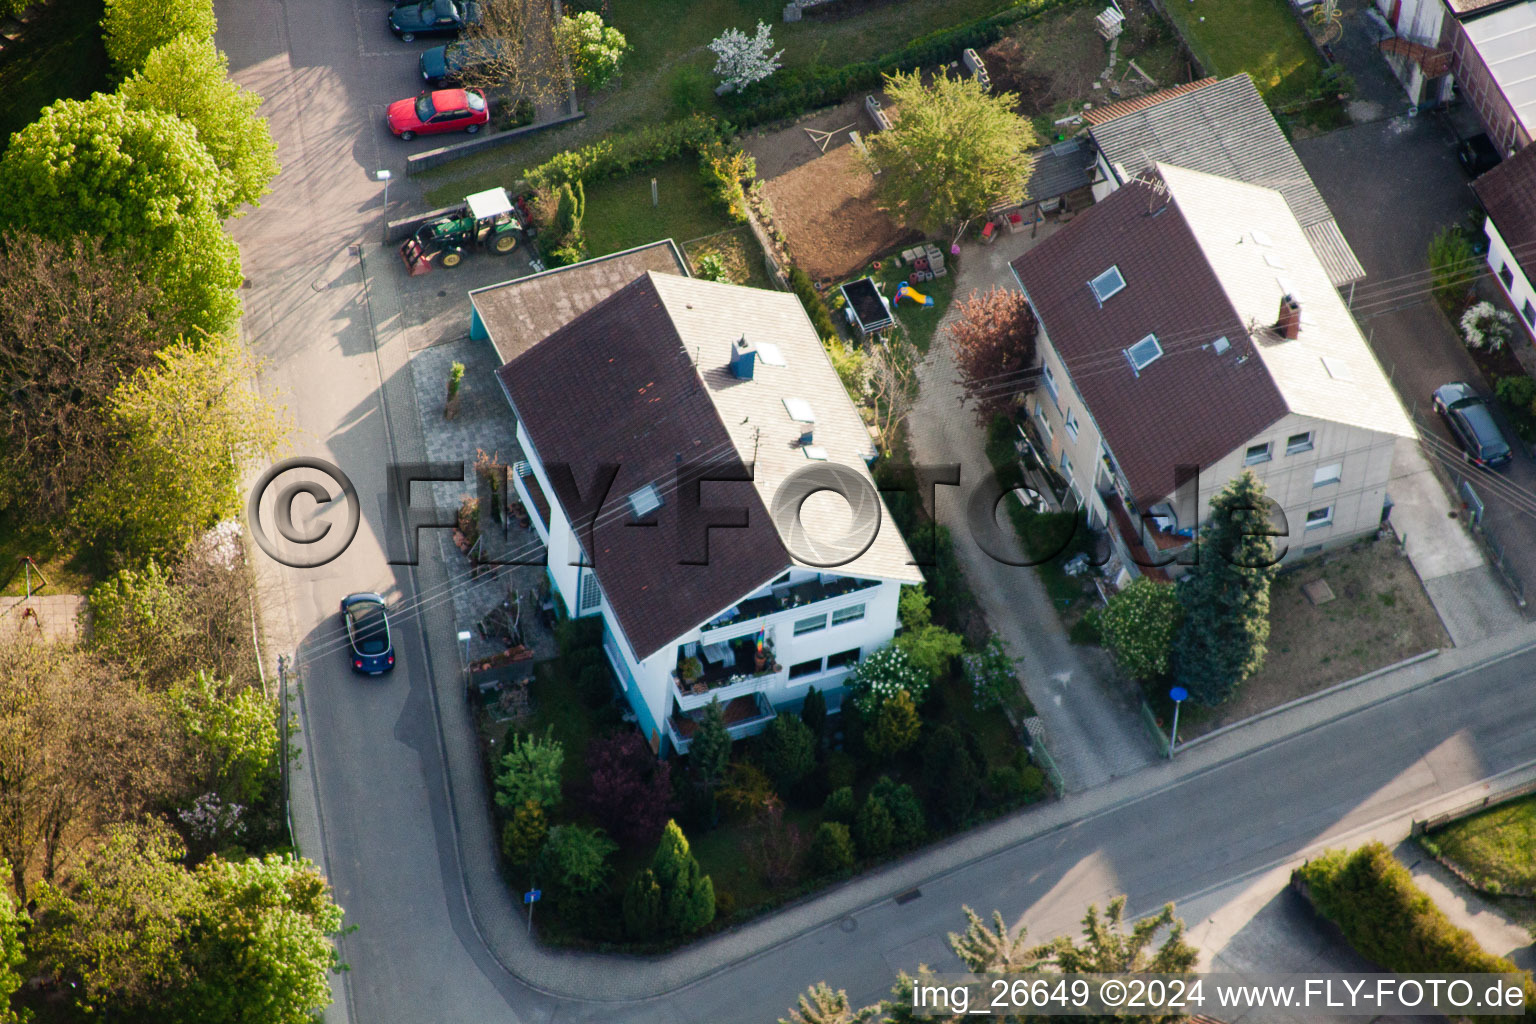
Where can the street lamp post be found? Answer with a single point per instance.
(1179, 696)
(465, 636)
(384, 176)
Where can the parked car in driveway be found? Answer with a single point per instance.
(433, 18)
(1478, 154)
(442, 110)
(1473, 424)
(368, 639)
(445, 66)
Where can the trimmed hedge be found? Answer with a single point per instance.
(791, 91)
(1391, 922)
(616, 155)
(810, 298)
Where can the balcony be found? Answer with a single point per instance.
(744, 716)
(797, 595)
(729, 670)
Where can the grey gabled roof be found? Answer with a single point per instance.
(1059, 169)
(1225, 129)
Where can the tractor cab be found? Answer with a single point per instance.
(489, 220)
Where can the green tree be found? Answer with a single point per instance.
(953, 151)
(570, 210)
(896, 727)
(576, 858)
(139, 180)
(813, 712)
(190, 426)
(74, 322)
(524, 835)
(119, 931)
(132, 29)
(530, 770)
(840, 806)
(952, 775)
(13, 954)
(1108, 948)
(189, 77)
(1453, 266)
(931, 648)
(260, 943)
(595, 50)
(710, 751)
(907, 818)
(642, 905)
(788, 751)
(992, 948)
(137, 617)
(687, 894)
(821, 1005)
(1139, 624)
(1222, 639)
(832, 848)
(873, 829)
(912, 607)
(231, 734)
(991, 673)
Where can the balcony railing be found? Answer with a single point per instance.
(745, 716)
(797, 595)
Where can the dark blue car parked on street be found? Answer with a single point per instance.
(367, 622)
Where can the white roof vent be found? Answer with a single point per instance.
(1221, 345)
(799, 410)
(1106, 284)
(645, 501)
(770, 355)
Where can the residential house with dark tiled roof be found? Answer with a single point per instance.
(701, 481)
(1221, 127)
(1188, 331)
(1508, 195)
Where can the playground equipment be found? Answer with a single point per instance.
(906, 291)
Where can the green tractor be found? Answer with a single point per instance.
(489, 220)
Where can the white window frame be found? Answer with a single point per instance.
(820, 624)
(1317, 524)
(1045, 423)
(1066, 465)
(1115, 286)
(1252, 459)
(1295, 447)
(1051, 387)
(1137, 363)
(852, 608)
(1070, 422)
(1335, 471)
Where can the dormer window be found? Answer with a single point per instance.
(1144, 353)
(1106, 284)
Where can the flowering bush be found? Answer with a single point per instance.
(990, 671)
(1138, 626)
(884, 674)
(220, 545)
(1484, 325)
(209, 819)
(595, 49)
(744, 59)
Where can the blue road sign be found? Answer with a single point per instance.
(533, 895)
(1179, 693)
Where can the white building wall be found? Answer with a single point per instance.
(1518, 287)
(1084, 452)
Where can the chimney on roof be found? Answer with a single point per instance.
(1289, 324)
(743, 358)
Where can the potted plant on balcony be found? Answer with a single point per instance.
(688, 670)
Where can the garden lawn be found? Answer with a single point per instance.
(620, 215)
(60, 56)
(742, 255)
(66, 571)
(1257, 36)
(920, 322)
(555, 707)
(1496, 849)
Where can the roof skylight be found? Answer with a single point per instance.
(1144, 353)
(1106, 284)
(645, 501)
(799, 410)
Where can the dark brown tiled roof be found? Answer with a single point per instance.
(519, 314)
(616, 385)
(1135, 103)
(1188, 407)
(1508, 193)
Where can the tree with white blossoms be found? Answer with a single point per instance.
(884, 673)
(744, 59)
(1484, 325)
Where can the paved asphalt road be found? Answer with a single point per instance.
(373, 751)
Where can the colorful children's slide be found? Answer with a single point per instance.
(906, 291)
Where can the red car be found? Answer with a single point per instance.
(446, 110)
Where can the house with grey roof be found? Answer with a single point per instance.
(1483, 49)
(1221, 127)
(1189, 332)
(700, 479)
